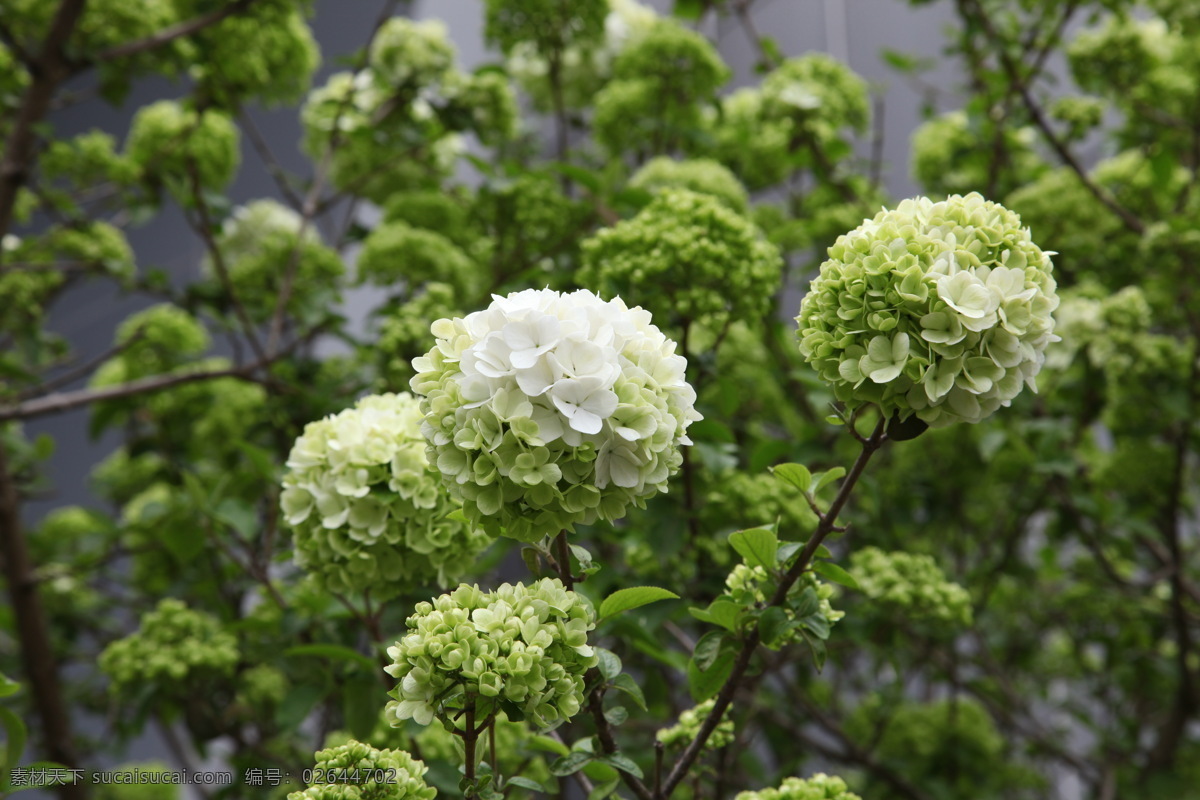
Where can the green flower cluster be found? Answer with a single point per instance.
(583, 68)
(402, 776)
(527, 222)
(139, 789)
(174, 644)
(267, 53)
(938, 309)
(152, 341)
(366, 509)
(548, 410)
(403, 332)
(100, 245)
(549, 25)
(913, 583)
(259, 242)
(700, 175)
(737, 500)
(661, 80)
(743, 139)
(87, 160)
(393, 126)
(952, 154)
(689, 257)
(262, 687)
(820, 95)
(750, 587)
(818, 787)
(685, 730)
(524, 646)
(396, 254)
(165, 138)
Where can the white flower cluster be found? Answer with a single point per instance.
(367, 510)
(546, 410)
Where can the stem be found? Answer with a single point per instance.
(33, 632)
(825, 526)
(563, 560)
(470, 736)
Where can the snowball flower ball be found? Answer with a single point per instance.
(942, 310)
(818, 787)
(370, 773)
(546, 410)
(523, 645)
(366, 508)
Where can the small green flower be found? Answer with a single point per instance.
(382, 775)
(818, 787)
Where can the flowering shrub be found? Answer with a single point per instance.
(547, 410)
(690, 257)
(818, 787)
(701, 175)
(524, 645)
(393, 775)
(912, 582)
(938, 309)
(688, 726)
(366, 509)
(173, 644)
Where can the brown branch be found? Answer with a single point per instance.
(49, 71)
(169, 34)
(1012, 70)
(33, 632)
(725, 696)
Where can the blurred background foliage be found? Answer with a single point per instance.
(1029, 604)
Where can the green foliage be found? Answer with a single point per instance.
(691, 258)
(191, 148)
(139, 788)
(953, 154)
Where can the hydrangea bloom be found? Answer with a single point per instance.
(911, 582)
(818, 787)
(402, 777)
(546, 410)
(165, 138)
(702, 175)
(367, 510)
(525, 645)
(938, 309)
(173, 644)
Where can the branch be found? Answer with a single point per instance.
(826, 526)
(49, 70)
(169, 34)
(1012, 71)
(65, 401)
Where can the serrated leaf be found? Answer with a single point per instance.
(793, 474)
(756, 545)
(833, 572)
(609, 663)
(570, 764)
(624, 763)
(626, 684)
(825, 478)
(633, 597)
(724, 613)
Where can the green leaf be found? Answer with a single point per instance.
(756, 545)
(903, 430)
(297, 705)
(834, 419)
(8, 687)
(823, 479)
(549, 745)
(806, 603)
(14, 743)
(604, 789)
(708, 648)
(787, 550)
(616, 715)
(633, 597)
(609, 663)
(625, 683)
(704, 685)
(335, 651)
(584, 177)
(835, 573)
(532, 562)
(527, 783)
(360, 705)
(709, 430)
(623, 763)
(817, 625)
(818, 650)
(773, 624)
(795, 474)
(570, 763)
